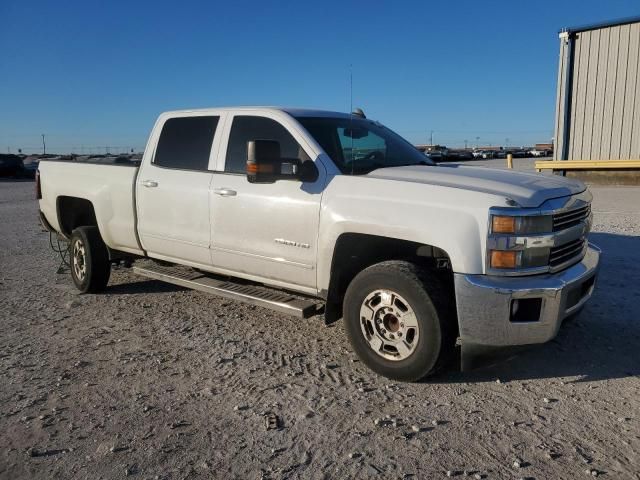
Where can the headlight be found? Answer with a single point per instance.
(504, 259)
(513, 242)
(513, 259)
(503, 224)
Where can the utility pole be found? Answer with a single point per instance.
(506, 141)
(431, 138)
(477, 142)
(44, 146)
(465, 144)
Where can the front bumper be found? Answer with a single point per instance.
(485, 304)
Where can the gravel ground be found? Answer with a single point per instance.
(153, 381)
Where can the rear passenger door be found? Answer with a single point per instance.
(172, 190)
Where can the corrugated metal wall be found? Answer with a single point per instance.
(603, 112)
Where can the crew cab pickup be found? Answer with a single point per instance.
(311, 212)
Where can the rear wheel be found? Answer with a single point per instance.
(90, 266)
(399, 321)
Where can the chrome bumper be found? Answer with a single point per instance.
(485, 304)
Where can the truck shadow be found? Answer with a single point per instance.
(602, 342)
(141, 287)
(16, 179)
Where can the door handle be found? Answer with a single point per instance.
(149, 183)
(225, 192)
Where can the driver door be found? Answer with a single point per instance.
(270, 230)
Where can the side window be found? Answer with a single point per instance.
(246, 128)
(185, 143)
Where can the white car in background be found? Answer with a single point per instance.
(539, 153)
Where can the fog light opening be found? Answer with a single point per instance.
(525, 310)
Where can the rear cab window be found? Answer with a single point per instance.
(185, 143)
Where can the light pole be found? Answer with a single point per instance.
(44, 146)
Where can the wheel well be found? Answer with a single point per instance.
(75, 212)
(355, 251)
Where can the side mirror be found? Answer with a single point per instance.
(308, 171)
(263, 161)
(266, 165)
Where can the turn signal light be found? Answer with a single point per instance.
(254, 168)
(503, 224)
(504, 259)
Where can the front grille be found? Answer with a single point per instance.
(564, 253)
(571, 218)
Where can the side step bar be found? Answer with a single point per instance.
(255, 295)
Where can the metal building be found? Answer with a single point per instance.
(598, 98)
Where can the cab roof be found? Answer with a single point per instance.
(295, 112)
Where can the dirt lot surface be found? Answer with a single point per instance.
(156, 382)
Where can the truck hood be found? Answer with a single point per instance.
(527, 189)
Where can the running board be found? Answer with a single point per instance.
(253, 294)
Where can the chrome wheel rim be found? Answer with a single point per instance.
(79, 260)
(389, 325)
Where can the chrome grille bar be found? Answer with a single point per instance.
(573, 217)
(565, 253)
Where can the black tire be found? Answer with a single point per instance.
(433, 308)
(95, 259)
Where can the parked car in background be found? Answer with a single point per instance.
(461, 155)
(10, 165)
(483, 154)
(30, 166)
(540, 153)
(437, 153)
(501, 154)
(434, 155)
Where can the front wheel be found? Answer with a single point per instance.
(397, 318)
(90, 267)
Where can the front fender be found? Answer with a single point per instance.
(455, 222)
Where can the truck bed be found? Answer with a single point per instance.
(108, 186)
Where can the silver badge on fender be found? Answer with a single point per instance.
(291, 243)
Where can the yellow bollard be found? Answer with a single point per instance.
(509, 160)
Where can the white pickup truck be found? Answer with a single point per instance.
(310, 212)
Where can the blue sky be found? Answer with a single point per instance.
(90, 74)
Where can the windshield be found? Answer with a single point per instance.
(358, 146)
